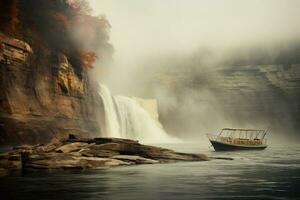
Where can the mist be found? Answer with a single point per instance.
(210, 64)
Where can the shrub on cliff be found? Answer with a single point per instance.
(64, 26)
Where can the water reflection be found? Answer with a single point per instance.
(269, 174)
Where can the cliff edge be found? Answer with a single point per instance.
(42, 96)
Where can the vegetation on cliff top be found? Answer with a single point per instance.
(64, 26)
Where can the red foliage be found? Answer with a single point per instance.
(61, 20)
(80, 6)
(64, 26)
(95, 31)
(88, 58)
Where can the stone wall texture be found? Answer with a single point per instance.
(42, 97)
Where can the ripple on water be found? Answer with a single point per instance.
(269, 174)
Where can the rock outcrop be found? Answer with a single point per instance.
(43, 96)
(88, 154)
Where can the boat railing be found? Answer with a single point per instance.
(233, 140)
(212, 137)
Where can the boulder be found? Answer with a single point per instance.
(72, 147)
(69, 161)
(98, 153)
(135, 159)
(82, 153)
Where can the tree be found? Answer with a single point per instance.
(64, 26)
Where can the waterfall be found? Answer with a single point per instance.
(126, 118)
(111, 127)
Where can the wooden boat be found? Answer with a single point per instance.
(231, 139)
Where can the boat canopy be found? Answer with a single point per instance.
(241, 129)
(243, 133)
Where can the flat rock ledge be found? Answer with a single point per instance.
(74, 153)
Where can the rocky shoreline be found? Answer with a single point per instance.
(84, 153)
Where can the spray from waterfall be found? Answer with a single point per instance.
(126, 118)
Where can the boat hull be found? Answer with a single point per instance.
(221, 146)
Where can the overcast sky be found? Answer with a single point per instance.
(149, 27)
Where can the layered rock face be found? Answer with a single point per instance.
(258, 96)
(42, 97)
(263, 94)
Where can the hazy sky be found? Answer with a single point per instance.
(153, 27)
(145, 33)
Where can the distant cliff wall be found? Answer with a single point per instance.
(42, 97)
(255, 96)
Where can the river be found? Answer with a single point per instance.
(273, 173)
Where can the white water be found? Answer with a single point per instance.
(111, 127)
(126, 118)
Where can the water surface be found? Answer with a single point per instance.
(273, 173)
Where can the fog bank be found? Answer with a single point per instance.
(209, 63)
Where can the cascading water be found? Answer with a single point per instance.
(126, 118)
(112, 127)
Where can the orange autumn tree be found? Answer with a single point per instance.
(91, 33)
(56, 25)
(46, 22)
(88, 59)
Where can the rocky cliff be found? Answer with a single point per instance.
(260, 96)
(42, 97)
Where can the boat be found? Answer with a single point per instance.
(232, 139)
